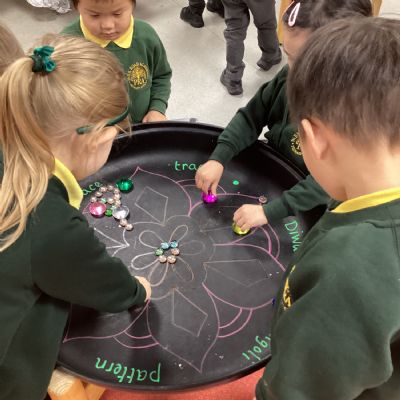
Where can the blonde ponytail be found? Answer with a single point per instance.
(86, 88)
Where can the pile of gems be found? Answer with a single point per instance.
(107, 201)
(173, 247)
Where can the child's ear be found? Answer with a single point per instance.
(314, 136)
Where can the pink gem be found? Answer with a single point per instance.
(209, 197)
(97, 209)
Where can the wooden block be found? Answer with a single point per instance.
(66, 387)
(94, 392)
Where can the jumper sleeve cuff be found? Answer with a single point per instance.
(140, 293)
(222, 153)
(276, 210)
(158, 105)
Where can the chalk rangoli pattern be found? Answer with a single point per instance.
(213, 267)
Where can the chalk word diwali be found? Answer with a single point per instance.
(295, 234)
(122, 373)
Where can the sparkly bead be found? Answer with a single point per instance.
(116, 191)
(110, 188)
(97, 209)
(162, 259)
(159, 252)
(125, 185)
(164, 245)
(113, 207)
(93, 199)
(238, 231)
(171, 259)
(108, 212)
(98, 194)
(209, 198)
(117, 203)
(103, 189)
(175, 252)
(117, 196)
(129, 227)
(123, 222)
(262, 199)
(110, 200)
(121, 212)
(174, 244)
(103, 200)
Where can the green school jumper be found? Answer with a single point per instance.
(57, 261)
(269, 108)
(147, 70)
(336, 328)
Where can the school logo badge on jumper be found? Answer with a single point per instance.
(138, 75)
(295, 141)
(286, 295)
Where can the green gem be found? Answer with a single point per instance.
(236, 182)
(103, 200)
(159, 252)
(238, 231)
(125, 185)
(108, 212)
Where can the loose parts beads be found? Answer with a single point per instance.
(107, 202)
(164, 247)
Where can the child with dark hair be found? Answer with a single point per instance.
(336, 328)
(135, 43)
(268, 108)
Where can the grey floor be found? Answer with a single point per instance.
(197, 56)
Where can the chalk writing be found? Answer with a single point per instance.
(93, 187)
(186, 166)
(295, 234)
(258, 349)
(126, 374)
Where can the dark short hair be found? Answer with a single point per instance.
(348, 76)
(75, 3)
(316, 13)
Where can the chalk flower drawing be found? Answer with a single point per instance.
(189, 296)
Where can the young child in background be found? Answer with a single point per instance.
(49, 257)
(237, 19)
(336, 328)
(269, 108)
(193, 13)
(136, 44)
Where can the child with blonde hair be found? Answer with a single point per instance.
(58, 118)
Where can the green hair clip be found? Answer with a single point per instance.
(41, 59)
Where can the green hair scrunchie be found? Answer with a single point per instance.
(41, 59)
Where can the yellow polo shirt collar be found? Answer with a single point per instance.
(123, 41)
(75, 194)
(368, 200)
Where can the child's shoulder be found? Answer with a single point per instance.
(144, 30)
(74, 28)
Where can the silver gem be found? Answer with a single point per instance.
(129, 227)
(171, 259)
(110, 188)
(93, 199)
(98, 194)
(103, 189)
(262, 199)
(123, 222)
(121, 212)
(162, 259)
(110, 200)
(117, 196)
(116, 191)
(117, 203)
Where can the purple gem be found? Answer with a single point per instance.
(209, 197)
(97, 209)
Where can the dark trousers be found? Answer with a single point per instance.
(198, 6)
(237, 19)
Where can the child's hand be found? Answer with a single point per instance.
(154, 116)
(249, 216)
(146, 285)
(208, 176)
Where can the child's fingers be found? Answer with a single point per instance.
(214, 187)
